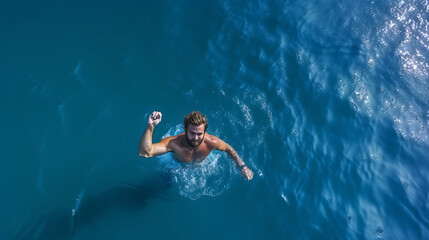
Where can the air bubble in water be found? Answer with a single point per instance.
(405, 184)
(380, 232)
(73, 212)
(285, 198)
(355, 107)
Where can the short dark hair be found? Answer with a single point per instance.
(196, 118)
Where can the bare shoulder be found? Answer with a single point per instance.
(171, 141)
(215, 142)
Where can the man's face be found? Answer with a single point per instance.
(195, 135)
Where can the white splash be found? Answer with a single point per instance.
(285, 198)
(211, 177)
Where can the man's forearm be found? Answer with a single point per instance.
(245, 171)
(145, 147)
(234, 156)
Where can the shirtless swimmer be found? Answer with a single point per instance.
(193, 145)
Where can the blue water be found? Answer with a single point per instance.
(327, 101)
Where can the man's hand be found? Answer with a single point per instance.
(154, 118)
(247, 173)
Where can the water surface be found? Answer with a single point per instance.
(327, 101)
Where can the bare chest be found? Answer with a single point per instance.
(187, 156)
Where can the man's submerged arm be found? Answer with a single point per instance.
(245, 171)
(234, 156)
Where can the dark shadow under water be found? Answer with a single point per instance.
(62, 224)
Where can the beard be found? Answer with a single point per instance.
(194, 143)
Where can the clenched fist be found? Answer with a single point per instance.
(154, 118)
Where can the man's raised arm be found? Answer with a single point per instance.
(146, 148)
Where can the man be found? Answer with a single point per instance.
(193, 145)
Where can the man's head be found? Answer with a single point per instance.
(195, 128)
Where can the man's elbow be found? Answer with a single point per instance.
(145, 154)
(229, 150)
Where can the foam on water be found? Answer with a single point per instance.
(210, 177)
